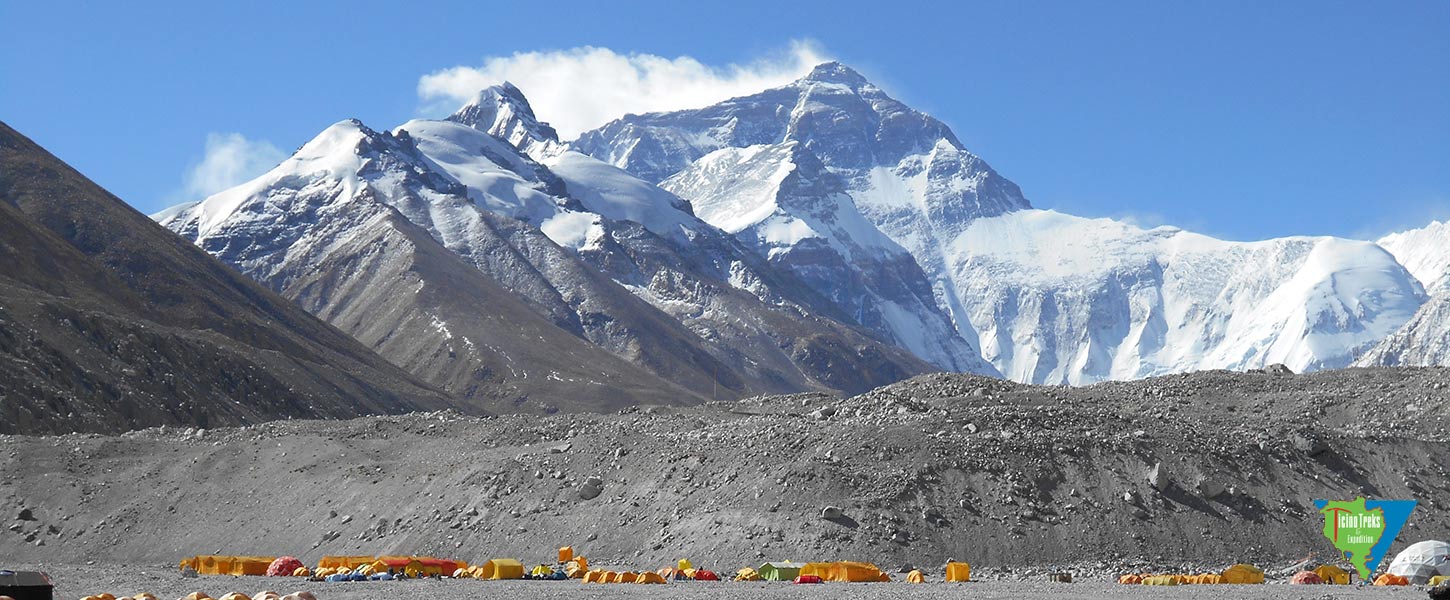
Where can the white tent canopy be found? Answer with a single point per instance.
(1422, 560)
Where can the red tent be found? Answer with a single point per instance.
(808, 579)
(703, 575)
(284, 566)
(1306, 577)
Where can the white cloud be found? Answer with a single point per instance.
(230, 160)
(579, 89)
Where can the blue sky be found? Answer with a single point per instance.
(1239, 119)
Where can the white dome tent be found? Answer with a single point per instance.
(1422, 560)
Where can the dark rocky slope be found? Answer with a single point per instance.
(110, 322)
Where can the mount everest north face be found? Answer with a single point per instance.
(816, 236)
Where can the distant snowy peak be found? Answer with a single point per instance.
(336, 157)
(504, 112)
(1425, 252)
(853, 127)
(833, 110)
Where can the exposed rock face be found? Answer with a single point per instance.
(109, 322)
(1425, 339)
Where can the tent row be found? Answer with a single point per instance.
(568, 566)
(262, 595)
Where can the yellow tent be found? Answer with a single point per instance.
(577, 568)
(915, 577)
(502, 568)
(1160, 580)
(566, 554)
(1332, 574)
(747, 574)
(959, 571)
(1243, 573)
(684, 564)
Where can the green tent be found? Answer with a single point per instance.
(780, 571)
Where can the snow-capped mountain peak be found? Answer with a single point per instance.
(504, 112)
(835, 72)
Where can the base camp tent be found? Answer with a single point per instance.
(1422, 560)
(959, 571)
(747, 574)
(1332, 574)
(779, 571)
(816, 569)
(849, 571)
(284, 566)
(502, 568)
(1243, 573)
(345, 562)
(229, 565)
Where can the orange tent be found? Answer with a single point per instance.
(1391, 579)
(819, 569)
(959, 571)
(229, 565)
(915, 576)
(854, 572)
(649, 577)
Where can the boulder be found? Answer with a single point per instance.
(1158, 477)
(591, 488)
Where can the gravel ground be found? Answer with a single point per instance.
(75, 581)
(1187, 474)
